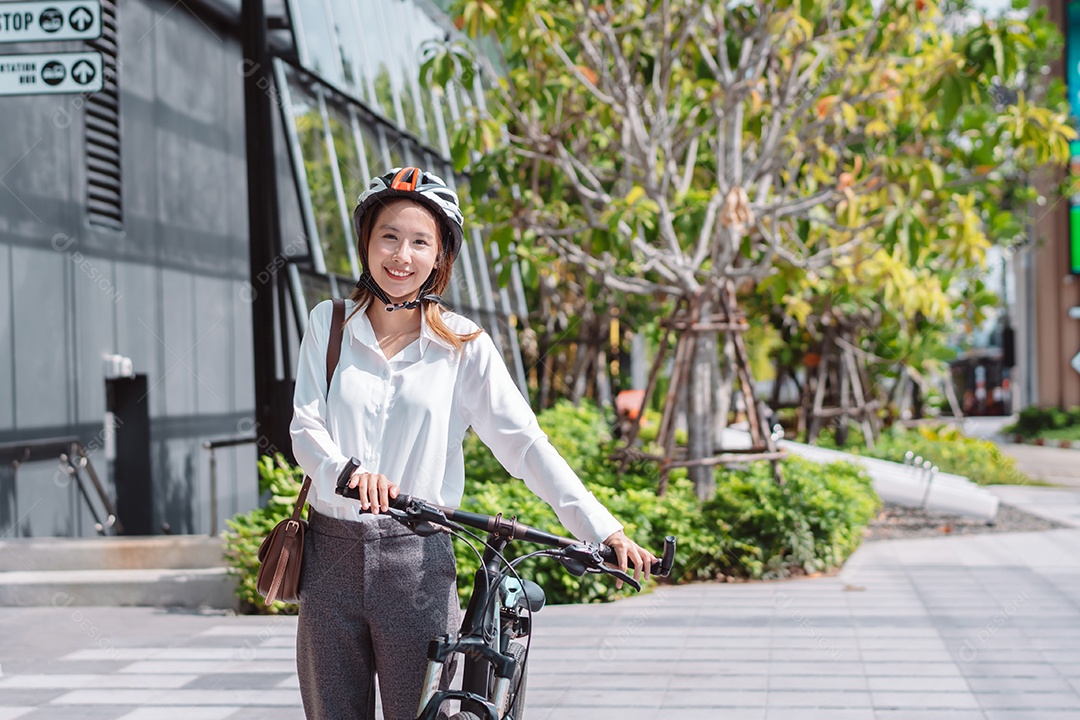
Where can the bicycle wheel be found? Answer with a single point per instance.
(464, 716)
(521, 678)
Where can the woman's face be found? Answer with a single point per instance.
(403, 248)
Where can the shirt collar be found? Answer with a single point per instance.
(361, 330)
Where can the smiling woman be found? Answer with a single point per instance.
(410, 382)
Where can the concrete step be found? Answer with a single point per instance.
(161, 571)
(189, 588)
(111, 553)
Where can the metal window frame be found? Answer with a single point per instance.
(369, 79)
(512, 320)
(339, 187)
(300, 178)
(395, 91)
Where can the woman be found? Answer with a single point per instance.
(411, 380)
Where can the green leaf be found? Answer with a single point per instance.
(937, 175)
(503, 237)
(952, 96)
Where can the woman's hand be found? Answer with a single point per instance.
(375, 491)
(629, 551)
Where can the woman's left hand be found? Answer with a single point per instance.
(629, 551)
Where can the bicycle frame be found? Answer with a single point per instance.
(480, 641)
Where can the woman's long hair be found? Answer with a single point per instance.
(432, 311)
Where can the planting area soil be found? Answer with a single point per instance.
(896, 522)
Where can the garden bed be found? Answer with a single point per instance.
(894, 522)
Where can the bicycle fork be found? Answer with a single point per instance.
(439, 650)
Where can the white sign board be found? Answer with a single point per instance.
(50, 20)
(1075, 362)
(50, 73)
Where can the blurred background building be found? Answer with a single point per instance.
(1042, 286)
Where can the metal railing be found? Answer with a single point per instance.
(213, 445)
(73, 460)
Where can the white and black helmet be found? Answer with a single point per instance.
(419, 186)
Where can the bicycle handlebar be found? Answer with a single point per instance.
(418, 510)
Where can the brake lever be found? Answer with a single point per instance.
(579, 559)
(620, 575)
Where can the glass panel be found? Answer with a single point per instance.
(382, 165)
(396, 151)
(350, 45)
(428, 33)
(372, 151)
(323, 58)
(316, 289)
(443, 122)
(398, 21)
(378, 53)
(351, 175)
(370, 163)
(309, 129)
(353, 181)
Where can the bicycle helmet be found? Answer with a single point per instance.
(410, 183)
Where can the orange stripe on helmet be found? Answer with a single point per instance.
(406, 179)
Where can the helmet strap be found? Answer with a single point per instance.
(367, 282)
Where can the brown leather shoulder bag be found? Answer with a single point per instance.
(282, 551)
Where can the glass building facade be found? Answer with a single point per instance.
(143, 311)
(354, 105)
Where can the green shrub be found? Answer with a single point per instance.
(945, 446)
(810, 524)
(753, 528)
(1053, 423)
(816, 520)
(246, 532)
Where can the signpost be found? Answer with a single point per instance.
(50, 73)
(50, 20)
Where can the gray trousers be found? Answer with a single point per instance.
(372, 594)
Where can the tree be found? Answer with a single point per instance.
(686, 149)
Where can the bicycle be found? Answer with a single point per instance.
(500, 607)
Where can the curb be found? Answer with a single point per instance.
(1043, 442)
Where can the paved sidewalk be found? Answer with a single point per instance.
(1059, 466)
(983, 627)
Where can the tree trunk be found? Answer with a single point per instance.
(543, 347)
(845, 397)
(699, 418)
(724, 382)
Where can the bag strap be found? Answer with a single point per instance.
(333, 354)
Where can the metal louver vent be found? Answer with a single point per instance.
(104, 205)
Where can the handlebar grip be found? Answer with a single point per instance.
(398, 503)
(660, 568)
(663, 568)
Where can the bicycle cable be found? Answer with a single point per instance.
(493, 594)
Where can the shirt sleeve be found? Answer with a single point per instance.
(315, 450)
(502, 418)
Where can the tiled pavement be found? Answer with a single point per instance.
(960, 628)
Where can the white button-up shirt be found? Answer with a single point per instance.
(405, 417)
